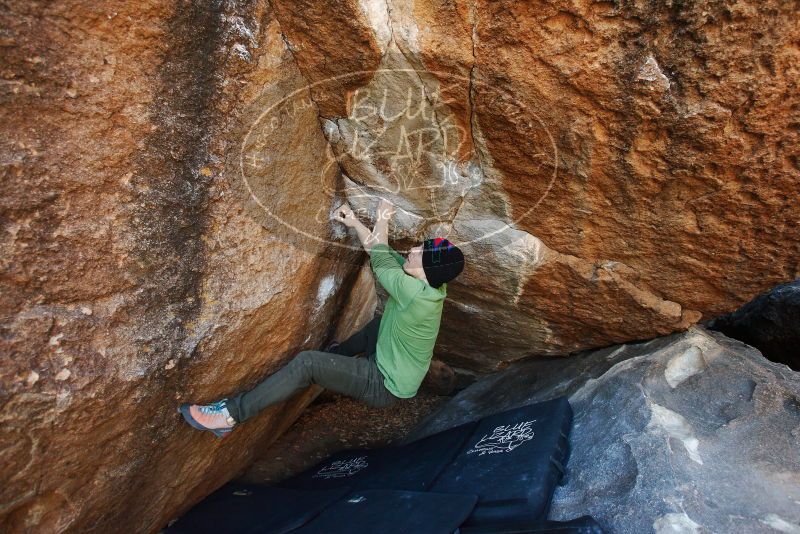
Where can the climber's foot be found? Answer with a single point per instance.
(213, 417)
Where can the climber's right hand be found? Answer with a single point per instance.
(345, 215)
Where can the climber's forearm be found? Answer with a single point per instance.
(381, 230)
(380, 233)
(364, 235)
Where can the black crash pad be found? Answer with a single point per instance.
(393, 512)
(509, 463)
(513, 461)
(581, 525)
(253, 509)
(414, 466)
(411, 467)
(343, 469)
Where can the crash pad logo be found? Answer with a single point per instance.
(342, 468)
(504, 438)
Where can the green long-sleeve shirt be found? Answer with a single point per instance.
(410, 323)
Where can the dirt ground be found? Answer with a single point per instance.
(333, 423)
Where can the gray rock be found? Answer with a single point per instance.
(692, 432)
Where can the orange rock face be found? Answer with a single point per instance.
(134, 276)
(676, 172)
(611, 172)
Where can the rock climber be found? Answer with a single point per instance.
(397, 345)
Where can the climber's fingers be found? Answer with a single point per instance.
(344, 214)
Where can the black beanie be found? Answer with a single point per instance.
(441, 260)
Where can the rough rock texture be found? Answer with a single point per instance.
(132, 277)
(614, 171)
(770, 322)
(692, 432)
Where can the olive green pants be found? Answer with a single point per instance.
(340, 371)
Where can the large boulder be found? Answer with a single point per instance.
(133, 277)
(692, 432)
(613, 171)
(169, 169)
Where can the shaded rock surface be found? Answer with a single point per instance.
(770, 322)
(692, 432)
(334, 423)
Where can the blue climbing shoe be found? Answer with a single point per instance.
(213, 417)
